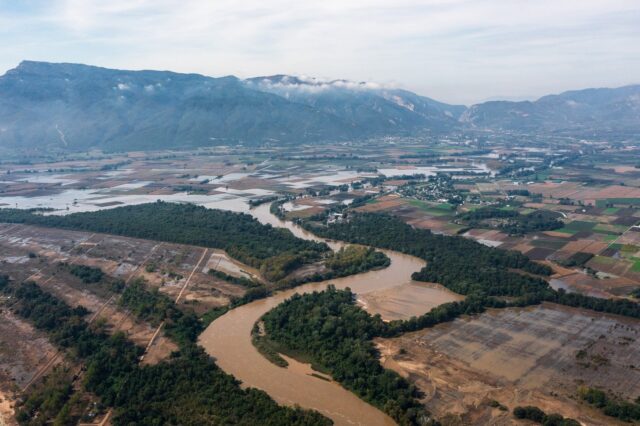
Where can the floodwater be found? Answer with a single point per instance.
(228, 341)
(473, 168)
(89, 200)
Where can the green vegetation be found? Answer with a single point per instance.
(623, 410)
(87, 274)
(579, 225)
(622, 307)
(538, 416)
(187, 389)
(609, 202)
(353, 259)
(267, 347)
(519, 192)
(511, 221)
(495, 404)
(336, 334)
(154, 307)
(458, 263)
(242, 281)
(258, 201)
(577, 259)
(49, 401)
(348, 260)
(429, 208)
(240, 235)
(606, 229)
(465, 266)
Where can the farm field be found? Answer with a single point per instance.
(586, 230)
(535, 356)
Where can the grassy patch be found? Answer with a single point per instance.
(609, 238)
(445, 206)
(552, 244)
(602, 260)
(609, 229)
(566, 230)
(267, 349)
(579, 225)
(431, 209)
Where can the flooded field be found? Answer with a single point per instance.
(537, 356)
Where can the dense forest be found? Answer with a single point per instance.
(188, 389)
(336, 334)
(458, 263)
(240, 235)
(88, 274)
(349, 260)
(154, 307)
(511, 221)
(353, 259)
(466, 266)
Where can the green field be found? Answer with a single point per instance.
(579, 225)
(430, 208)
(618, 201)
(567, 230)
(609, 229)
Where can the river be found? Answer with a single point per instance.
(228, 341)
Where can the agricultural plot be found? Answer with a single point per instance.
(535, 356)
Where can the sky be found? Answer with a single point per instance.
(457, 51)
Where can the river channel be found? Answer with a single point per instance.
(228, 340)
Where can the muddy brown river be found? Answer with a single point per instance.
(228, 341)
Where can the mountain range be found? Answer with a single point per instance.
(73, 107)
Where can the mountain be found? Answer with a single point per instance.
(365, 105)
(77, 107)
(46, 106)
(577, 112)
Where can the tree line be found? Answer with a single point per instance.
(188, 389)
(466, 266)
(242, 236)
(511, 221)
(611, 406)
(536, 415)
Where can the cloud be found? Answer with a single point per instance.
(314, 84)
(456, 50)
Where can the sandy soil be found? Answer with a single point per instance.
(518, 357)
(407, 300)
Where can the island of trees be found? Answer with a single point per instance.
(511, 221)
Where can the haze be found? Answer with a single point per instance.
(452, 50)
